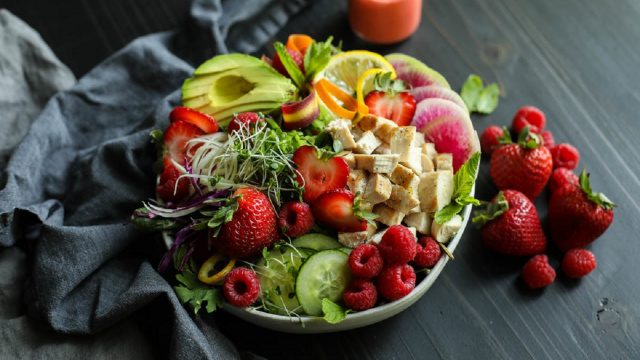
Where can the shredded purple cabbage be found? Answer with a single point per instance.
(182, 236)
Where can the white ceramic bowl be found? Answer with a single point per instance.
(315, 325)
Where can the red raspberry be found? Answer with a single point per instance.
(365, 261)
(398, 245)
(529, 115)
(295, 218)
(490, 138)
(561, 177)
(578, 263)
(547, 137)
(360, 295)
(297, 57)
(243, 119)
(565, 155)
(428, 253)
(241, 287)
(537, 273)
(396, 281)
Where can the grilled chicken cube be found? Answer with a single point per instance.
(427, 163)
(387, 215)
(402, 140)
(421, 221)
(445, 232)
(378, 189)
(413, 160)
(341, 130)
(367, 143)
(435, 190)
(382, 164)
(384, 148)
(402, 199)
(444, 162)
(357, 181)
(353, 239)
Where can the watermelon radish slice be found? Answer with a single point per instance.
(435, 91)
(414, 72)
(448, 127)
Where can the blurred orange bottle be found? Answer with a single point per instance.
(384, 21)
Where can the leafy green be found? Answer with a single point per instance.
(290, 65)
(463, 182)
(317, 57)
(197, 294)
(333, 313)
(361, 213)
(142, 220)
(479, 98)
(221, 215)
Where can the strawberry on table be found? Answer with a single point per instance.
(252, 227)
(319, 175)
(336, 209)
(176, 137)
(203, 121)
(511, 226)
(577, 215)
(167, 189)
(525, 166)
(391, 100)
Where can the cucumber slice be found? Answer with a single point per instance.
(325, 274)
(346, 250)
(316, 242)
(277, 275)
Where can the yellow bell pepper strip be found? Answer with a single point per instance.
(209, 265)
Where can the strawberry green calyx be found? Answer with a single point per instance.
(529, 140)
(492, 211)
(505, 139)
(598, 198)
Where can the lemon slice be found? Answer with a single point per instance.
(345, 68)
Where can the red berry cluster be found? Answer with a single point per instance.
(385, 268)
(526, 168)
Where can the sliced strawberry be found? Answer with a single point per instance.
(319, 175)
(243, 119)
(204, 121)
(335, 209)
(398, 107)
(167, 189)
(176, 138)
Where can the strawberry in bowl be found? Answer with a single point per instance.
(294, 192)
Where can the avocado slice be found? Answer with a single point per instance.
(233, 83)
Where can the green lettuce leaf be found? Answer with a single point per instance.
(463, 182)
(333, 313)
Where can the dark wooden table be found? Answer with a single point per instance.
(577, 60)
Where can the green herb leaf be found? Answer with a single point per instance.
(294, 72)
(361, 213)
(463, 181)
(156, 136)
(471, 90)
(317, 57)
(487, 102)
(333, 313)
(479, 98)
(197, 294)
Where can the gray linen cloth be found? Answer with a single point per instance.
(86, 162)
